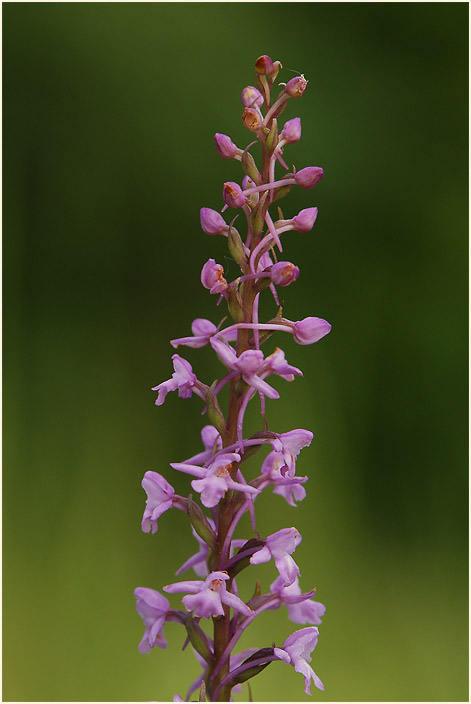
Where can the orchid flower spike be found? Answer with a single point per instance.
(222, 488)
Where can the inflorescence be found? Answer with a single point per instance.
(217, 470)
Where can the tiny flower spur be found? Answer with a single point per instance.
(220, 491)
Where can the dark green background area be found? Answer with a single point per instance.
(109, 113)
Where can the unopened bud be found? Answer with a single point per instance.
(308, 177)
(284, 273)
(310, 330)
(252, 119)
(296, 86)
(305, 219)
(212, 222)
(251, 97)
(291, 131)
(225, 146)
(264, 65)
(233, 196)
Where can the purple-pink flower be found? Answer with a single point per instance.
(287, 486)
(296, 86)
(159, 499)
(284, 273)
(248, 364)
(182, 379)
(212, 277)
(290, 445)
(206, 599)
(291, 131)
(215, 480)
(280, 546)
(152, 607)
(297, 650)
(301, 608)
(202, 330)
(233, 196)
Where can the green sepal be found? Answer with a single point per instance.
(272, 139)
(234, 303)
(257, 216)
(213, 410)
(280, 192)
(200, 523)
(236, 248)
(250, 167)
(198, 639)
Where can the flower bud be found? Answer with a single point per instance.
(305, 219)
(291, 131)
(284, 273)
(233, 196)
(251, 97)
(310, 330)
(308, 177)
(225, 146)
(252, 119)
(264, 65)
(296, 86)
(212, 222)
(212, 277)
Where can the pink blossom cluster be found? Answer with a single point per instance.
(220, 490)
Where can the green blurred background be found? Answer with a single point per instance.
(109, 113)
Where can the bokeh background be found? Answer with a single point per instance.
(109, 113)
